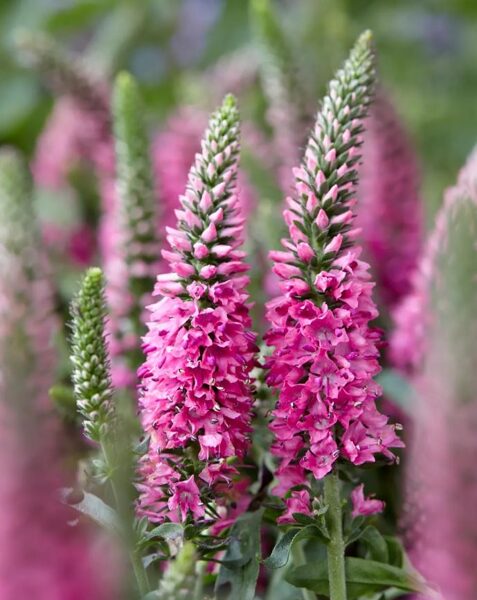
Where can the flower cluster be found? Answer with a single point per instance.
(196, 390)
(325, 352)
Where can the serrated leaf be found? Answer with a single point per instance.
(245, 550)
(362, 577)
(281, 553)
(96, 509)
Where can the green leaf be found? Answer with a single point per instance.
(375, 544)
(362, 577)
(281, 553)
(397, 389)
(166, 531)
(395, 551)
(18, 95)
(96, 509)
(245, 550)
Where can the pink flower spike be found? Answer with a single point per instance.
(364, 507)
(195, 384)
(325, 352)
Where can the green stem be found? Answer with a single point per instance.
(299, 559)
(336, 547)
(124, 512)
(199, 584)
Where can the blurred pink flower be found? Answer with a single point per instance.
(412, 317)
(389, 211)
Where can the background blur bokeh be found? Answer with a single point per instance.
(427, 55)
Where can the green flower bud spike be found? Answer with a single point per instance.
(91, 369)
(139, 245)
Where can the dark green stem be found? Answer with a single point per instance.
(336, 547)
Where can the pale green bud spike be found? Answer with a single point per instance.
(27, 320)
(178, 582)
(134, 172)
(17, 224)
(91, 364)
(454, 297)
(137, 201)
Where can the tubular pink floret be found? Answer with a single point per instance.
(325, 352)
(196, 392)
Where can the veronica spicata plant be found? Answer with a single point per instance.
(325, 350)
(196, 389)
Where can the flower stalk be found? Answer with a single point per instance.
(94, 397)
(336, 547)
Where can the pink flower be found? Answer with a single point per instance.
(364, 506)
(195, 382)
(325, 351)
(441, 491)
(299, 502)
(413, 317)
(186, 497)
(390, 211)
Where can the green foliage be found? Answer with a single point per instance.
(363, 577)
(95, 509)
(91, 369)
(240, 565)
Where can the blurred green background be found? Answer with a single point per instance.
(427, 56)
